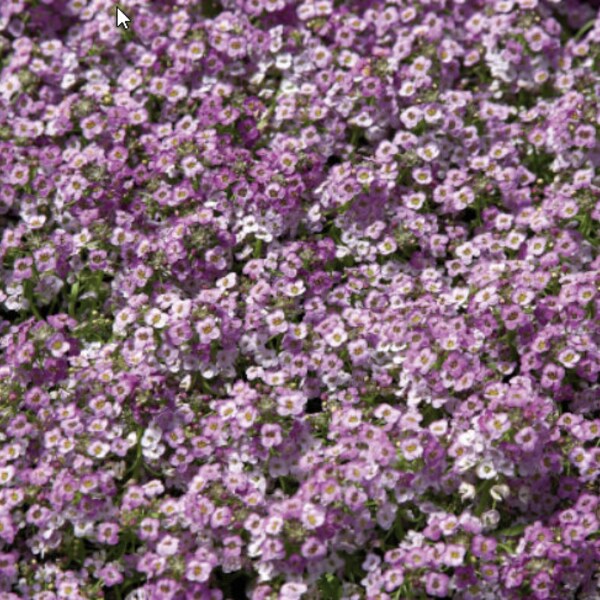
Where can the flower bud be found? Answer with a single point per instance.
(466, 491)
(490, 519)
(500, 492)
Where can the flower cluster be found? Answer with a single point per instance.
(300, 299)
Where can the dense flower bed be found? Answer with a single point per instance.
(299, 299)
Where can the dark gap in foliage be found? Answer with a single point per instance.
(211, 8)
(238, 587)
(233, 584)
(470, 215)
(314, 405)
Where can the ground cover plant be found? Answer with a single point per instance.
(299, 299)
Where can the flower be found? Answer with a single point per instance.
(486, 470)
(198, 571)
(411, 449)
(297, 282)
(437, 584)
(313, 549)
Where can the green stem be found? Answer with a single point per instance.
(258, 244)
(28, 289)
(584, 30)
(73, 298)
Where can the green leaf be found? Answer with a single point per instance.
(513, 531)
(73, 298)
(399, 531)
(485, 498)
(28, 293)
(258, 245)
(330, 587)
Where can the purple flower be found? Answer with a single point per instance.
(293, 282)
(411, 449)
(313, 549)
(437, 584)
(108, 533)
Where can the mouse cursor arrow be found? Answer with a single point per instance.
(122, 19)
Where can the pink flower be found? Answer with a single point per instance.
(437, 584)
(411, 449)
(198, 571)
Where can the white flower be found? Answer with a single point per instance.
(34, 221)
(265, 570)
(151, 437)
(186, 382)
(337, 337)
(156, 318)
(168, 546)
(466, 252)
(569, 358)
(67, 81)
(466, 491)
(153, 488)
(98, 449)
(292, 591)
(83, 528)
(139, 594)
(312, 516)
(486, 470)
(6, 474)
(500, 492)
(460, 295)
(294, 289)
(227, 282)
(283, 62)
(490, 519)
